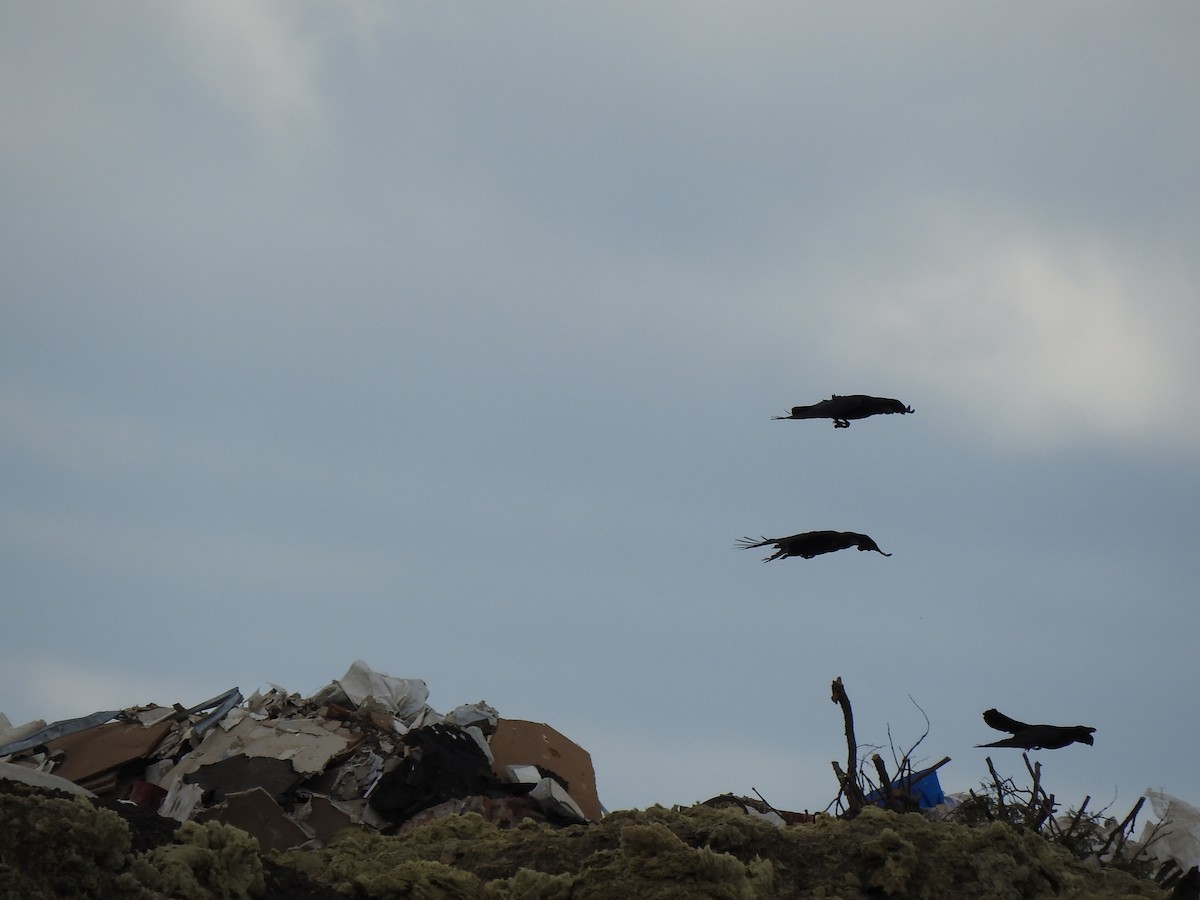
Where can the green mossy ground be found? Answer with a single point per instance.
(54, 847)
(58, 847)
(709, 853)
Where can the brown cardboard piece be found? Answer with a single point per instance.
(94, 758)
(519, 743)
(255, 812)
(325, 820)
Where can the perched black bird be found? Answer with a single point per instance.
(843, 409)
(1035, 737)
(811, 543)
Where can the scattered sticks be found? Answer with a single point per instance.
(894, 791)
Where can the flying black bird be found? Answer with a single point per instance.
(844, 408)
(811, 543)
(1035, 737)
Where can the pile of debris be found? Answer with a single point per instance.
(366, 752)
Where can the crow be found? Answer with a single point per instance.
(1035, 737)
(844, 408)
(811, 543)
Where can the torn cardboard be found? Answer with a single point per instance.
(366, 751)
(519, 743)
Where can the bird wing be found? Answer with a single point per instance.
(845, 404)
(1007, 742)
(998, 720)
(807, 544)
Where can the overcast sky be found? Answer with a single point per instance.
(446, 336)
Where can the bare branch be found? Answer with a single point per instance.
(998, 782)
(885, 783)
(1077, 818)
(854, 795)
(1126, 823)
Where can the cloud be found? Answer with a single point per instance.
(1040, 340)
(256, 58)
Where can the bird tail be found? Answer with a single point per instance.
(749, 543)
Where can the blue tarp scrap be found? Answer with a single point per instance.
(923, 786)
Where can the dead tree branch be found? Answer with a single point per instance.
(1126, 824)
(999, 784)
(848, 779)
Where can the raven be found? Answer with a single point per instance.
(1035, 737)
(844, 408)
(811, 543)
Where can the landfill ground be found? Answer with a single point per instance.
(362, 790)
(54, 844)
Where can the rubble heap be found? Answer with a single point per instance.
(366, 752)
(364, 790)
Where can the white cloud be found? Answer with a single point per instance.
(255, 58)
(1038, 341)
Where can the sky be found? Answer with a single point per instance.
(447, 337)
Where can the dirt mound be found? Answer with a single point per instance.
(717, 853)
(53, 845)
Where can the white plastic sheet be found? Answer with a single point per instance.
(1179, 838)
(41, 779)
(404, 697)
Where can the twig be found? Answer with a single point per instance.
(1035, 772)
(931, 769)
(996, 780)
(845, 784)
(911, 778)
(1157, 832)
(885, 783)
(763, 799)
(1127, 822)
(1077, 819)
(907, 757)
(1039, 815)
(1041, 804)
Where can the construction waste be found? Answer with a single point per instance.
(363, 790)
(366, 752)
